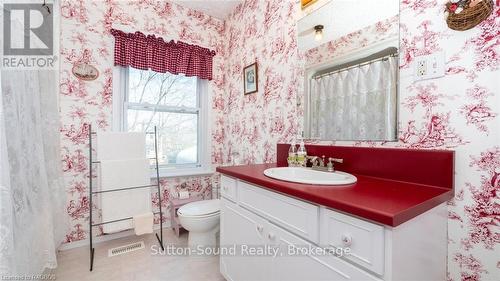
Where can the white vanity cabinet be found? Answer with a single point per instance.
(255, 217)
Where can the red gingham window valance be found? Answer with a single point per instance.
(150, 52)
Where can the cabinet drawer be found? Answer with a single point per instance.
(365, 239)
(228, 188)
(296, 216)
(301, 260)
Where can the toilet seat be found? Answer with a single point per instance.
(200, 209)
(199, 216)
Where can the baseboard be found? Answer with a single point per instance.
(104, 238)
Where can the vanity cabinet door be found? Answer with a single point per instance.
(311, 265)
(240, 228)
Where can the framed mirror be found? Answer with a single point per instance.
(351, 82)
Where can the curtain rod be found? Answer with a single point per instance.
(356, 65)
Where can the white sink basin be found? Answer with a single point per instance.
(309, 176)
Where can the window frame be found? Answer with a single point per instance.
(121, 105)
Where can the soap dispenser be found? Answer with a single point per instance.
(302, 154)
(292, 154)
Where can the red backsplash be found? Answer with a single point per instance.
(429, 167)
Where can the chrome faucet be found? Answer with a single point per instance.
(320, 164)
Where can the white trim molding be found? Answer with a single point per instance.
(204, 92)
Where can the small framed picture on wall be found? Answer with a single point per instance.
(250, 79)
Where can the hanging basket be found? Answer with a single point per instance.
(469, 16)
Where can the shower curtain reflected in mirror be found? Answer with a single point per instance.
(31, 185)
(358, 103)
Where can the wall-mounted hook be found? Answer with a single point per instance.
(44, 5)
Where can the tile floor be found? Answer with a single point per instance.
(140, 265)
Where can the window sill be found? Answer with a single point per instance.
(173, 173)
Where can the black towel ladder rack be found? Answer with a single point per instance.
(92, 193)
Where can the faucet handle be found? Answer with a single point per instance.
(330, 163)
(338, 160)
(313, 159)
(329, 166)
(323, 162)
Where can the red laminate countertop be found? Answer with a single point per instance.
(380, 200)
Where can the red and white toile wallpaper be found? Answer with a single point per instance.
(458, 111)
(85, 37)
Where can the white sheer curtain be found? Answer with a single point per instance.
(32, 222)
(356, 104)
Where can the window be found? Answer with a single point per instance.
(176, 105)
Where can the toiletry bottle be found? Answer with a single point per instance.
(302, 154)
(292, 155)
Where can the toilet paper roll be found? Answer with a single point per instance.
(183, 194)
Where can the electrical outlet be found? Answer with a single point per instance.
(429, 66)
(421, 68)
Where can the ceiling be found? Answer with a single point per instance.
(216, 8)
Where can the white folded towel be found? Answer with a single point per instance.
(124, 173)
(120, 145)
(116, 174)
(143, 223)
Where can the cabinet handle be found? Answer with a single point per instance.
(224, 187)
(346, 240)
(260, 228)
(271, 236)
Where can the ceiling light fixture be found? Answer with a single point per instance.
(318, 32)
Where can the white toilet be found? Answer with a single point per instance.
(201, 219)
